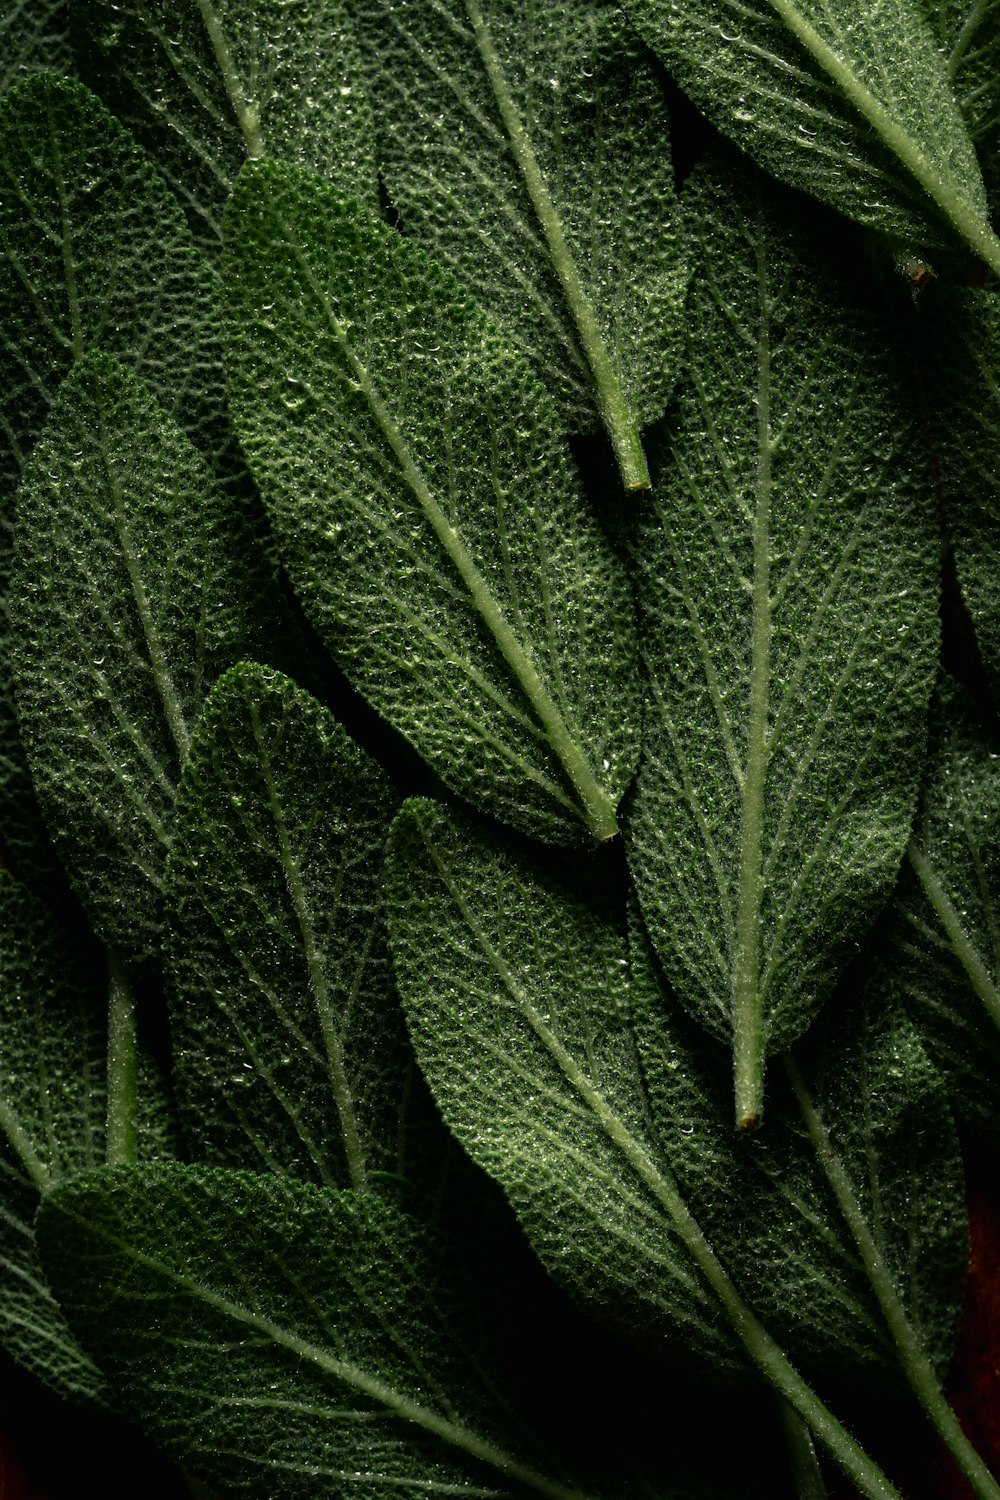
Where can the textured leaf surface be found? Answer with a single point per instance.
(426, 508)
(962, 366)
(33, 37)
(967, 33)
(788, 601)
(129, 598)
(289, 1044)
(850, 101)
(202, 84)
(942, 933)
(527, 147)
(765, 1200)
(94, 253)
(52, 1107)
(280, 1340)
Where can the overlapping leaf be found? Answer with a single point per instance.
(202, 84)
(851, 102)
(280, 1340)
(961, 345)
(942, 934)
(427, 510)
(94, 253)
(967, 33)
(289, 1045)
(129, 597)
(788, 595)
(527, 147)
(33, 37)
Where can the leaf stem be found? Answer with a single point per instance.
(913, 1359)
(247, 114)
(748, 1024)
(122, 1147)
(806, 1472)
(611, 399)
(963, 216)
(964, 950)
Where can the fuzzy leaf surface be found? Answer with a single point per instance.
(289, 1045)
(942, 933)
(967, 33)
(33, 38)
(280, 1340)
(527, 148)
(765, 1201)
(851, 102)
(788, 616)
(129, 598)
(961, 349)
(203, 83)
(94, 254)
(427, 510)
(52, 1116)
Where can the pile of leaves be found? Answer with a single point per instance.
(476, 766)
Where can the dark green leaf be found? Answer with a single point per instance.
(967, 33)
(942, 934)
(527, 147)
(289, 1045)
(788, 597)
(33, 37)
(202, 84)
(283, 1341)
(129, 598)
(850, 101)
(427, 511)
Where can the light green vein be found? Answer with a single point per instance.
(247, 113)
(965, 950)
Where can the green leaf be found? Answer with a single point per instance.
(280, 1340)
(518, 1000)
(290, 1053)
(528, 149)
(94, 253)
(967, 33)
(942, 934)
(34, 37)
(130, 596)
(52, 1117)
(961, 363)
(426, 509)
(851, 102)
(787, 569)
(203, 84)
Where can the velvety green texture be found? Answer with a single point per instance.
(289, 1047)
(850, 101)
(427, 510)
(33, 37)
(132, 590)
(512, 134)
(282, 1341)
(967, 33)
(786, 570)
(202, 84)
(94, 254)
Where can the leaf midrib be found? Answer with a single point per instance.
(247, 114)
(961, 214)
(959, 940)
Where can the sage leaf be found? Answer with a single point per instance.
(518, 1001)
(203, 84)
(527, 147)
(942, 933)
(52, 1108)
(278, 1339)
(34, 38)
(961, 349)
(850, 102)
(290, 1054)
(128, 599)
(787, 586)
(94, 253)
(426, 509)
(967, 33)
